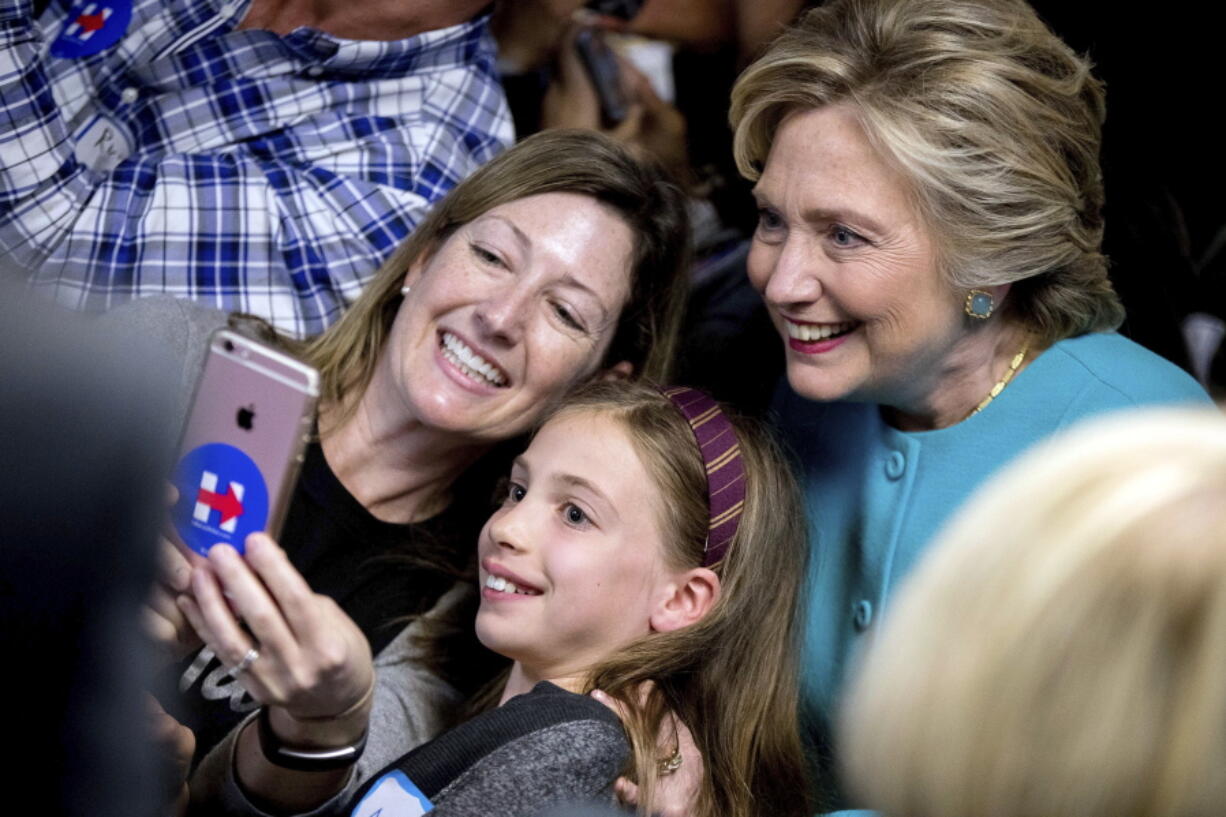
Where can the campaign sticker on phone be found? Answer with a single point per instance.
(222, 497)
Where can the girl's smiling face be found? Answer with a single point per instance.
(572, 564)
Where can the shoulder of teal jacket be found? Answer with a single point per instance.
(1128, 372)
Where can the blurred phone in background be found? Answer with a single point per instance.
(602, 69)
(651, 57)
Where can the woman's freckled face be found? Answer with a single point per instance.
(509, 312)
(847, 268)
(579, 529)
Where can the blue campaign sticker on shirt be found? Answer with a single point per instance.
(222, 497)
(393, 795)
(92, 25)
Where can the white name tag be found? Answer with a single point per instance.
(103, 144)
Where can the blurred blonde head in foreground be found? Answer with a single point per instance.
(1063, 650)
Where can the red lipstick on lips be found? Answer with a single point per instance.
(817, 347)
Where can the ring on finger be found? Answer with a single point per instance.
(248, 659)
(671, 763)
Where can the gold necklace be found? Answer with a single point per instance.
(1014, 365)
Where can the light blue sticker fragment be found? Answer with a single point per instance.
(393, 795)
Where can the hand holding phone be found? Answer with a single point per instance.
(299, 651)
(164, 622)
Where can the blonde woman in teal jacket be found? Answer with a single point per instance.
(928, 246)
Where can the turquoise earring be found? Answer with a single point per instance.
(979, 304)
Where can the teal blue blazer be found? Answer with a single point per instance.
(876, 496)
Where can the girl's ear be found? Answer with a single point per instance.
(619, 371)
(689, 597)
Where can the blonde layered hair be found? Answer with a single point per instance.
(731, 677)
(569, 161)
(995, 122)
(1062, 652)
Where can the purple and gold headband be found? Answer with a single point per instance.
(721, 455)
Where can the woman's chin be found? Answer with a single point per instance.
(817, 386)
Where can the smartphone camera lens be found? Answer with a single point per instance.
(228, 345)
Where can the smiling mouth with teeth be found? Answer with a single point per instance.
(810, 332)
(470, 363)
(504, 586)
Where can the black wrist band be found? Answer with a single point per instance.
(304, 760)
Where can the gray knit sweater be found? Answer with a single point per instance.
(539, 749)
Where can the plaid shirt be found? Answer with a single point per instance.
(248, 170)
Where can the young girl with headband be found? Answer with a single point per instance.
(648, 545)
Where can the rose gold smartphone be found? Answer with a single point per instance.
(244, 442)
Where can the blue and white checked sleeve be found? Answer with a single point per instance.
(265, 174)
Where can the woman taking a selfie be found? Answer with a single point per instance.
(560, 261)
